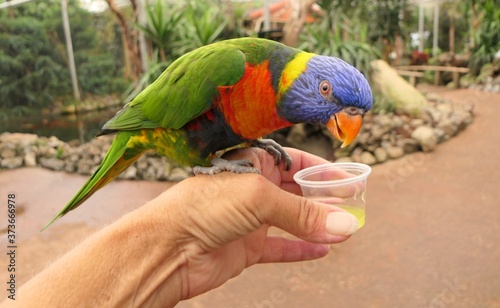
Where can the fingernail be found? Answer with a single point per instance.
(341, 223)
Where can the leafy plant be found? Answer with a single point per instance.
(174, 31)
(204, 25)
(322, 39)
(30, 71)
(162, 25)
(33, 60)
(487, 36)
(156, 67)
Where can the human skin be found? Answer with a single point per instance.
(192, 238)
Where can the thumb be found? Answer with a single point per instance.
(307, 219)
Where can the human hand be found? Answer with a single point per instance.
(193, 238)
(221, 221)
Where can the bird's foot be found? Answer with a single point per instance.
(219, 165)
(276, 150)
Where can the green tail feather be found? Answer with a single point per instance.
(118, 158)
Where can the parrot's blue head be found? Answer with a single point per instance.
(330, 92)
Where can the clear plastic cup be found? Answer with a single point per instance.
(340, 184)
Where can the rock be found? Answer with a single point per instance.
(318, 145)
(342, 152)
(434, 115)
(73, 158)
(297, 134)
(431, 96)
(425, 138)
(356, 154)
(394, 152)
(54, 142)
(462, 118)
(384, 121)
(362, 138)
(397, 121)
(445, 108)
(83, 167)
(69, 167)
(18, 138)
(149, 174)
(367, 158)
(376, 133)
(178, 174)
(30, 158)
(448, 127)
(343, 160)
(129, 174)
(440, 135)
(75, 143)
(11, 162)
(414, 123)
(166, 168)
(52, 163)
(409, 145)
(380, 154)
(47, 152)
(8, 152)
(94, 150)
(142, 164)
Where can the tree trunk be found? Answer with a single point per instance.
(452, 34)
(133, 67)
(399, 48)
(387, 49)
(294, 25)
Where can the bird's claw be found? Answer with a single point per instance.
(276, 150)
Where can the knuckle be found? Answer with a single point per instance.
(308, 216)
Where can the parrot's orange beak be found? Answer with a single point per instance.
(345, 126)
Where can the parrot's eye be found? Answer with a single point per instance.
(325, 89)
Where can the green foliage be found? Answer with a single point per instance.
(175, 29)
(487, 37)
(30, 71)
(161, 26)
(204, 25)
(382, 16)
(33, 60)
(322, 39)
(382, 104)
(156, 67)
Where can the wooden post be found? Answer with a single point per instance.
(437, 78)
(456, 79)
(413, 80)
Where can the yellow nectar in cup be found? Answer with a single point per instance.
(340, 184)
(359, 213)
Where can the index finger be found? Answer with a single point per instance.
(277, 174)
(300, 160)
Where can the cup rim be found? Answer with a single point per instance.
(366, 169)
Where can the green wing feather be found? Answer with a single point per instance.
(185, 90)
(118, 158)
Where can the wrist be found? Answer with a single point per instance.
(148, 240)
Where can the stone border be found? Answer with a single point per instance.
(382, 137)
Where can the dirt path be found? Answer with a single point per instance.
(431, 239)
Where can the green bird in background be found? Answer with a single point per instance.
(227, 94)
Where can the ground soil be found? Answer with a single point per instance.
(431, 239)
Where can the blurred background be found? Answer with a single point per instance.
(117, 47)
(67, 66)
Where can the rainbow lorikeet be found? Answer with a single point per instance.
(231, 93)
